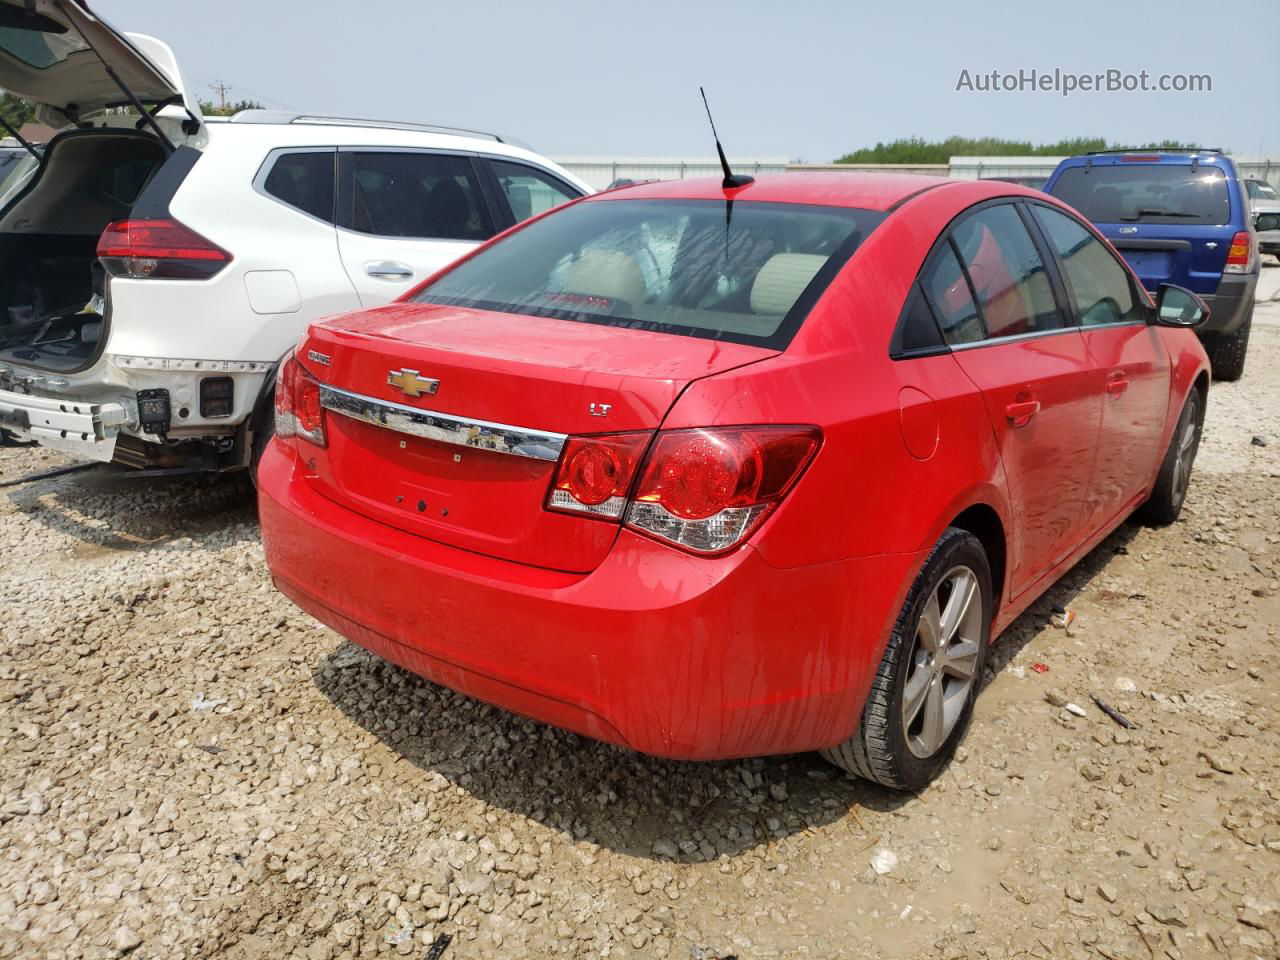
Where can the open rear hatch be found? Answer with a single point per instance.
(60, 56)
(519, 384)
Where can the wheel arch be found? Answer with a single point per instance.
(983, 521)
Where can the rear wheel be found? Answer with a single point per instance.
(1167, 496)
(264, 428)
(922, 696)
(1226, 351)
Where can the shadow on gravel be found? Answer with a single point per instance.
(1059, 597)
(111, 509)
(613, 797)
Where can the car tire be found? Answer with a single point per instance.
(1170, 492)
(907, 736)
(1227, 350)
(264, 428)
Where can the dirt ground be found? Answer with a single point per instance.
(190, 767)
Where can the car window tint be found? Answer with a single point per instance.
(1099, 284)
(919, 330)
(948, 291)
(530, 191)
(1007, 274)
(304, 180)
(424, 195)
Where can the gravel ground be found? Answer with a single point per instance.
(190, 767)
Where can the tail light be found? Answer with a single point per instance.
(298, 410)
(704, 490)
(161, 248)
(1239, 255)
(595, 474)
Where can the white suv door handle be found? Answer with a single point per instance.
(389, 270)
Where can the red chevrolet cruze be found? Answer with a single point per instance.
(719, 471)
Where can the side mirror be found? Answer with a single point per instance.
(1179, 307)
(1267, 221)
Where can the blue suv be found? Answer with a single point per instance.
(1177, 217)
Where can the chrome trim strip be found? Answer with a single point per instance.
(444, 427)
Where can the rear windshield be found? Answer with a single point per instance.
(745, 272)
(1146, 193)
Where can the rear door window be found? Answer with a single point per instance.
(1100, 286)
(948, 291)
(431, 196)
(1006, 273)
(529, 191)
(304, 180)
(1146, 193)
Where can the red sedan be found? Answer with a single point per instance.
(715, 471)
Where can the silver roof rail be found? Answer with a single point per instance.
(286, 116)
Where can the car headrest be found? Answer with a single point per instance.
(607, 273)
(781, 281)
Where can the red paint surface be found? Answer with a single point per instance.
(769, 648)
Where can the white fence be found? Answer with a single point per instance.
(602, 171)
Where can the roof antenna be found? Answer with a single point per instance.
(731, 179)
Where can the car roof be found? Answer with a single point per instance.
(866, 191)
(1115, 158)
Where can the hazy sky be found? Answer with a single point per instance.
(803, 79)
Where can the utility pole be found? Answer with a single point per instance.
(220, 89)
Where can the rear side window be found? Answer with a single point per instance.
(424, 195)
(1006, 273)
(948, 290)
(745, 272)
(1100, 286)
(305, 181)
(1146, 193)
(529, 191)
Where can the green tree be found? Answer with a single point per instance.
(210, 109)
(919, 150)
(15, 112)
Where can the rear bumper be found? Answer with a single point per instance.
(72, 426)
(1231, 303)
(662, 652)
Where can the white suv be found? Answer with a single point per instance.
(156, 266)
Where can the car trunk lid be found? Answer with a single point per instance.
(60, 55)
(508, 388)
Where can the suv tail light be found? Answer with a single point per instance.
(163, 248)
(298, 410)
(704, 490)
(1239, 255)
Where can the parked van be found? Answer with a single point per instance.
(156, 265)
(1179, 217)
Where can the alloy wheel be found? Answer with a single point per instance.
(942, 666)
(1186, 454)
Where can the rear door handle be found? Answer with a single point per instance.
(389, 270)
(1117, 385)
(1020, 412)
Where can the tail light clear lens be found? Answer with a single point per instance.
(1239, 255)
(160, 248)
(704, 490)
(298, 410)
(595, 474)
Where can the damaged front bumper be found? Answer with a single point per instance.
(61, 423)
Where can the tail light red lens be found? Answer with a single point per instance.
(707, 490)
(298, 410)
(160, 248)
(1239, 255)
(704, 490)
(595, 474)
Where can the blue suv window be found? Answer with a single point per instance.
(1146, 193)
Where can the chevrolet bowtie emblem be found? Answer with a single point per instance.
(411, 383)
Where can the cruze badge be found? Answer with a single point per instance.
(411, 383)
